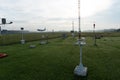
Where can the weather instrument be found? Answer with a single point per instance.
(3, 22)
(94, 35)
(22, 36)
(80, 70)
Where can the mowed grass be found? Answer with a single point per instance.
(57, 60)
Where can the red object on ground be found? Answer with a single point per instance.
(2, 55)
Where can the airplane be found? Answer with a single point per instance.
(41, 29)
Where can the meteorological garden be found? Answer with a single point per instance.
(59, 40)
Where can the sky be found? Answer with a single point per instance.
(58, 15)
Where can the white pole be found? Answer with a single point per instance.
(22, 41)
(94, 34)
(22, 35)
(81, 55)
(79, 32)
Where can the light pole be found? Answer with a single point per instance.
(22, 40)
(80, 70)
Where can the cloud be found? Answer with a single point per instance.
(92, 7)
(54, 8)
(51, 12)
(109, 17)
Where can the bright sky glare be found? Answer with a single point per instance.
(59, 14)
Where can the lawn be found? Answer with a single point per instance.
(57, 60)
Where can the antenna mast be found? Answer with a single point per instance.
(80, 70)
(79, 19)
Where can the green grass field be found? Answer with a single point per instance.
(7, 39)
(57, 60)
